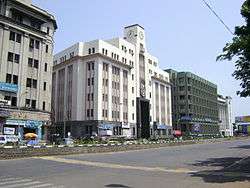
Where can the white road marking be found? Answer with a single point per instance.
(23, 184)
(118, 166)
(8, 179)
(15, 181)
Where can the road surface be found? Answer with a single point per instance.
(225, 164)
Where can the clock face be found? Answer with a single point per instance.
(142, 89)
(141, 35)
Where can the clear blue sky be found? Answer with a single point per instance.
(184, 35)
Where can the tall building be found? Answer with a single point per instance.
(26, 59)
(111, 87)
(194, 99)
(225, 115)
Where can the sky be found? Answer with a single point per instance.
(183, 35)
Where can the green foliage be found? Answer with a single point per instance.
(239, 48)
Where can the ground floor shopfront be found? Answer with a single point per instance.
(20, 122)
(86, 129)
(199, 127)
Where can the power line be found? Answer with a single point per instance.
(219, 18)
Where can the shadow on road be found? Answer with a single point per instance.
(230, 170)
(117, 186)
(242, 147)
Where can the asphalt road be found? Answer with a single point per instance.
(225, 164)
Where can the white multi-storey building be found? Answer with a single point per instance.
(26, 60)
(225, 115)
(111, 87)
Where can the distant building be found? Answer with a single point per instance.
(112, 87)
(26, 48)
(225, 115)
(194, 103)
(243, 124)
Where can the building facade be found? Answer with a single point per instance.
(26, 59)
(225, 115)
(194, 99)
(111, 87)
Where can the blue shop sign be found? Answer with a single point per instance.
(162, 127)
(106, 126)
(8, 87)
(186, 118)
(31, 124)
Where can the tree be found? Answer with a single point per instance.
(239, 50)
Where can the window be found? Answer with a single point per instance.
(44, 86)
(92, 81)
(88, 97)
(132, 89)
(34, 83)
(133, 103)
(10, 56)
(132, 76)
(92, 96)
(36, 63)
(88, 81)
(92, 112)
(47, 49)
(88, 66)
(45, 67)
(48, 30)
(8, 78)
(33, 104)
(32, 41)
(87, 112)
(43, 105)
(28, 82)
(12, 36)
(17, 58)
(15, 79)
(133, 116)
(93, 50)
(93, 66)
(30, 62)
(13, 101)
(89, 50)
(27, 103)
(37, 44)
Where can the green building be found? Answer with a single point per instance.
(194, 104)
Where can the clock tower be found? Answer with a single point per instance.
(135, 34)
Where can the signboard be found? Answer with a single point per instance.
(8, 87)
(125, 125)
(242, 119)
(31, 124)
(4, 113)
(8, 138)
(105, 133)
(9, 130)
(196, 128)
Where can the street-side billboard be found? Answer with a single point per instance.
(8, 138)
(242, 119)
(9, 130)
(8, 87)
